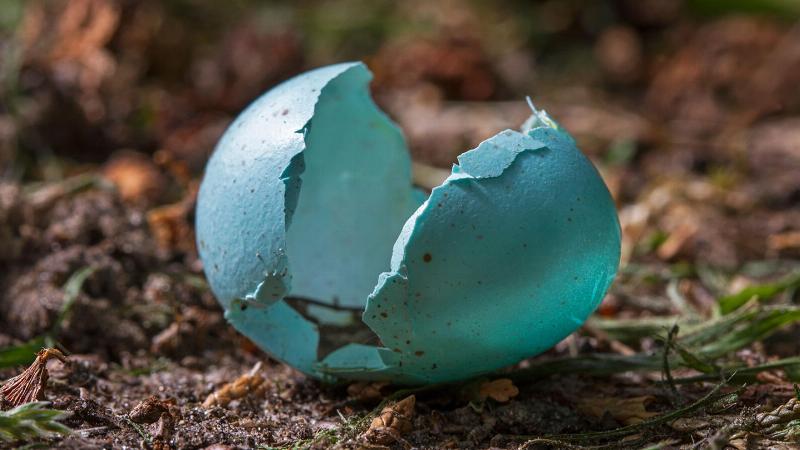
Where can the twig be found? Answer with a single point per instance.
(742, 374)
(673, 332)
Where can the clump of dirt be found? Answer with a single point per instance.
(136, 289)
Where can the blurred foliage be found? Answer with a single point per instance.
(786, 9)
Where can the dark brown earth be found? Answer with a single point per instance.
(110, 109)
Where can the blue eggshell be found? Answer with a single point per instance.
(310, 187)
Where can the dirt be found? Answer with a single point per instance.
(145, 324)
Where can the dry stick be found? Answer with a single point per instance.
(567, 445)
(615, 345)
(742, 373)
(665, 361)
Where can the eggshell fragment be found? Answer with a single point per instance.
(310, 186)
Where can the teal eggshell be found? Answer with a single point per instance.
(310, 187)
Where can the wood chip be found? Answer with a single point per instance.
(500, 390)
(392, 423)
(249, 384)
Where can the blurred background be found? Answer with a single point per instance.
(691, 110)
(110, 108)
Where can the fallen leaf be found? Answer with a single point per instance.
(29, 385)
(628, 411)
(740, 443)
(136, 178)
(393, 421)
(249, 384)
(687, 424)
(171, 224)
(676, 240)
(500, 390)
(784, 241)
(68, 40)
(366, 391)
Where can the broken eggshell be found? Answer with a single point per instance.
(311, 185)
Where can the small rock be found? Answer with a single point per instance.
(149, 410)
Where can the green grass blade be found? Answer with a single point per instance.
(766, 291)
(697, 350)
(20, 355)
(24, 354)
(72, 288)
(31, 421)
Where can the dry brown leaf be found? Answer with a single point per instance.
(740, 443)
(29, 385)
(393, 421)
(628, 411)
(69, 40)
(783, 241)
(501, 390)
(136, 177)
(677, 239)
(687, 424)
(249, 384)
(84, 26)
(366, 391)
(171, 224)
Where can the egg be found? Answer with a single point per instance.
(324, 254)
